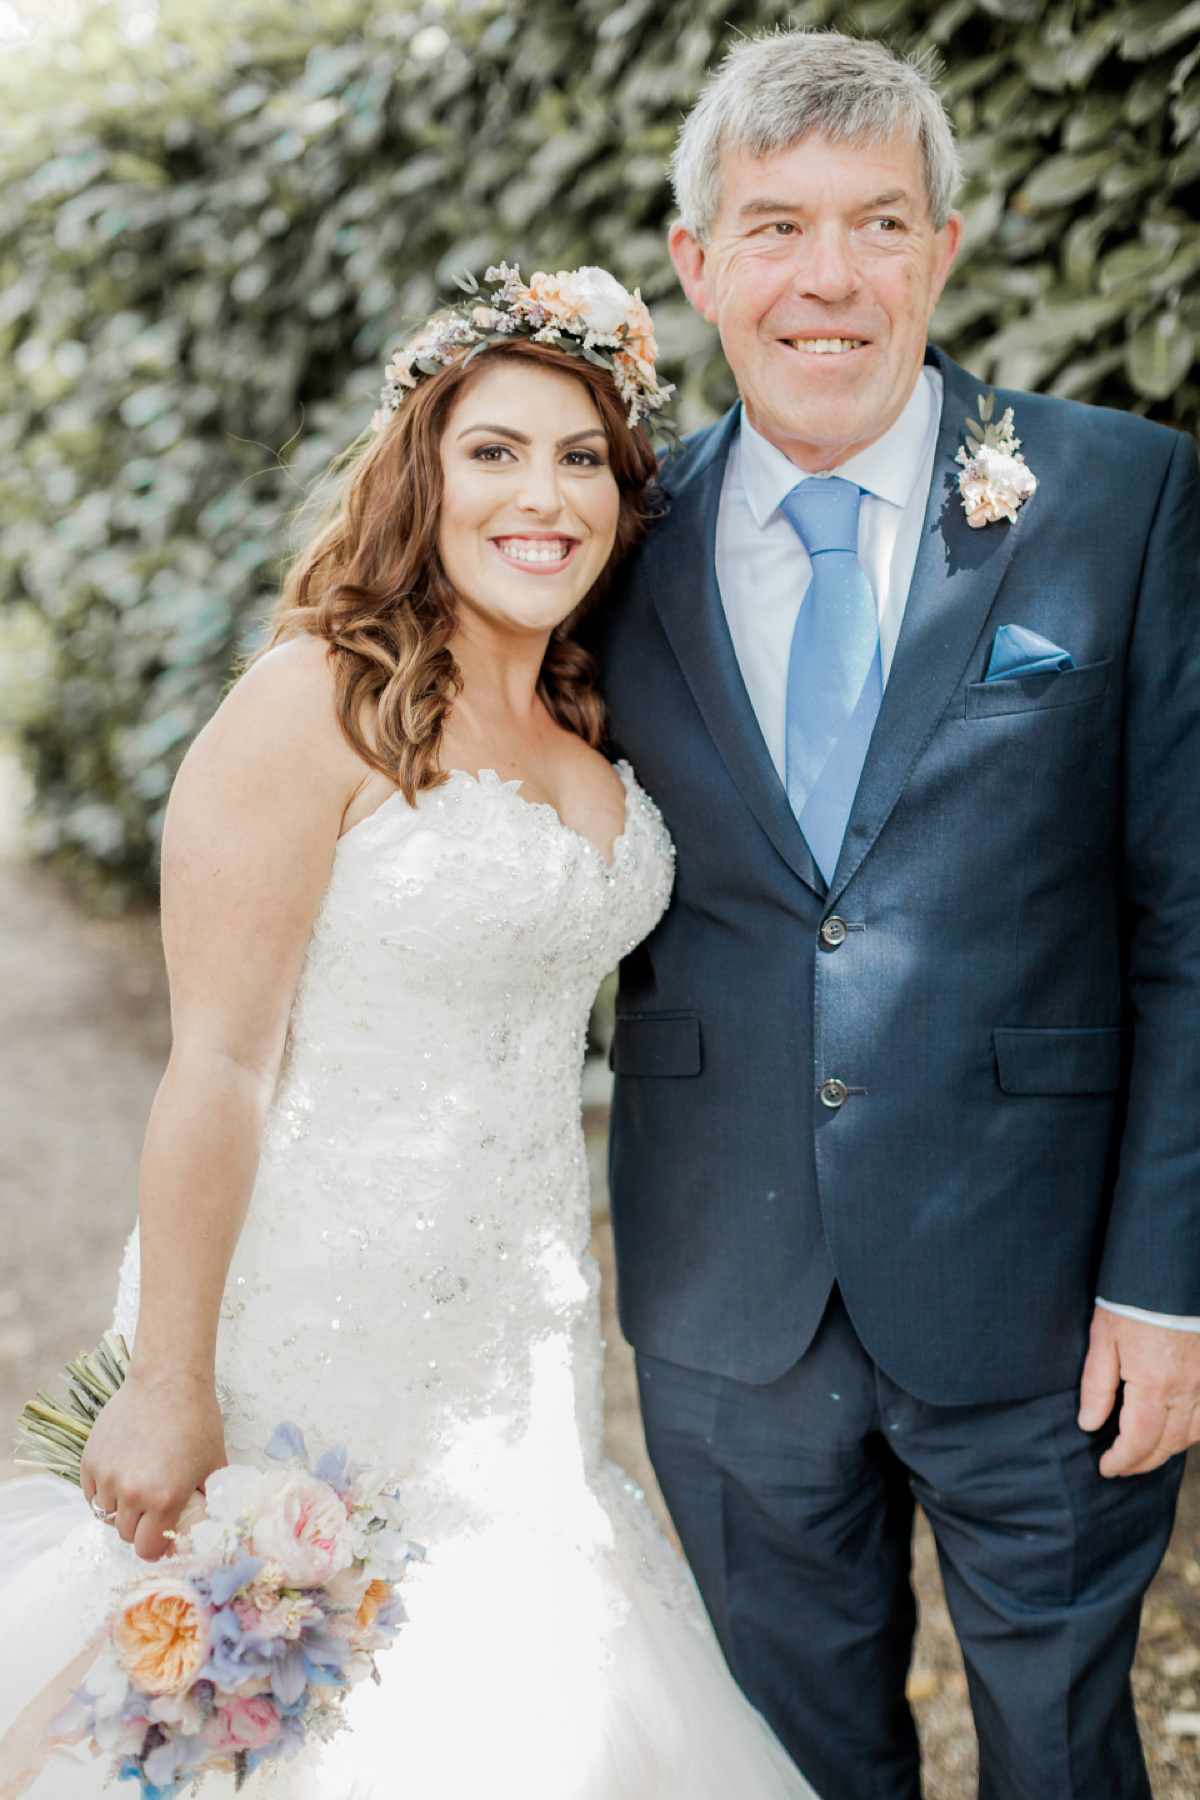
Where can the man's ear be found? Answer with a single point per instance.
(690, 265)
(947, 244)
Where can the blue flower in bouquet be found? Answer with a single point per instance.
(235, 1654)
(229, 1579)
(290, 1675)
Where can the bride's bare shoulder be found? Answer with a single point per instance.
(288, 695)
(277, 730)
(297, 672)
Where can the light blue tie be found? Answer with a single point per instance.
(835, 677)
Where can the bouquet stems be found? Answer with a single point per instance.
(51, 1437)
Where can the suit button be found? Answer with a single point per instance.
(833, 1094)
(833, 932)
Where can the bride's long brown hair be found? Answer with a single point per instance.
(371, 582)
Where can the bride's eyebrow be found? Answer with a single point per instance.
(506, 431)
(518, 437)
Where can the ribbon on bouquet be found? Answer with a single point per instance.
(28, 1745)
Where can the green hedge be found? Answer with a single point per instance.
(205, 245)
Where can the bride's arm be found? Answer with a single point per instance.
(250, 835)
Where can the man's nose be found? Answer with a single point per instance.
(826, 269)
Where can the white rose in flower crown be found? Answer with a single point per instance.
(303, 1528)
(592, 294)
(602, 300)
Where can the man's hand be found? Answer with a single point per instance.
(1160, 1410)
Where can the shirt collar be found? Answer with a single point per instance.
(888, 468)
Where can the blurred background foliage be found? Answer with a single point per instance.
(214, 220)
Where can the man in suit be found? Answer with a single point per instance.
(906, 1079)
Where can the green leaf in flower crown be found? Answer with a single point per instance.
(1159, 355)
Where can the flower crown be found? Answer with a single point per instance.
(585, 312)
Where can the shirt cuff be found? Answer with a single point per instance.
(1170, 1321)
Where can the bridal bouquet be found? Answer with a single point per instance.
(243, 1643)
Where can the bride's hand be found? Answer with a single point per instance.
(153, 1445)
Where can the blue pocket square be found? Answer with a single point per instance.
(1018, 652)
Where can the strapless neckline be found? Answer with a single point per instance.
(488, 781)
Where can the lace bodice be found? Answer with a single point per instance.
(412, 1277)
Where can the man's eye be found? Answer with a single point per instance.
(783, 228)
(887, 225)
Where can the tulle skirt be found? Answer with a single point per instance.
(533, 1667)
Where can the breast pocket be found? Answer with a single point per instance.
(1037, 693)
(664, 1043)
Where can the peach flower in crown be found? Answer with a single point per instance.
(585, 312)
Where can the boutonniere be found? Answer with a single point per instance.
(995, 477)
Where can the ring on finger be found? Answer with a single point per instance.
(105, 1518)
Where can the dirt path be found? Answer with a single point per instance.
(83, 1039)
(82, 1043)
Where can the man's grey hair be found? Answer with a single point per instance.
(771, 91)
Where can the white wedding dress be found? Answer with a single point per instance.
(413, 1281)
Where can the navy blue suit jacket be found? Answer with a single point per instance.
(1021, 1008)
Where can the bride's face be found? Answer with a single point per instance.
(530, 502)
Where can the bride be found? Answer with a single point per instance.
(396, 867)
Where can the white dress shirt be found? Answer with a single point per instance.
(763, 573)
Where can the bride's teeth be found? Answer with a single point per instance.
(535, 553)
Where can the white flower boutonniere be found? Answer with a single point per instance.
(995, 477)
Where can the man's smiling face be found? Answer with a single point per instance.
(821, 272)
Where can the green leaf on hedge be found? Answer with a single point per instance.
(1159, 355)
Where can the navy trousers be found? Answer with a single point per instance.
(794, 1503)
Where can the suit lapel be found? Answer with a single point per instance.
(679, 563)
(954, 585)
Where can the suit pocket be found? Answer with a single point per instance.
(1088, 1061)
(665, 1043)
(1037, 693)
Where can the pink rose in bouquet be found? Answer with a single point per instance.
(303, 1529)
(243, 1723)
